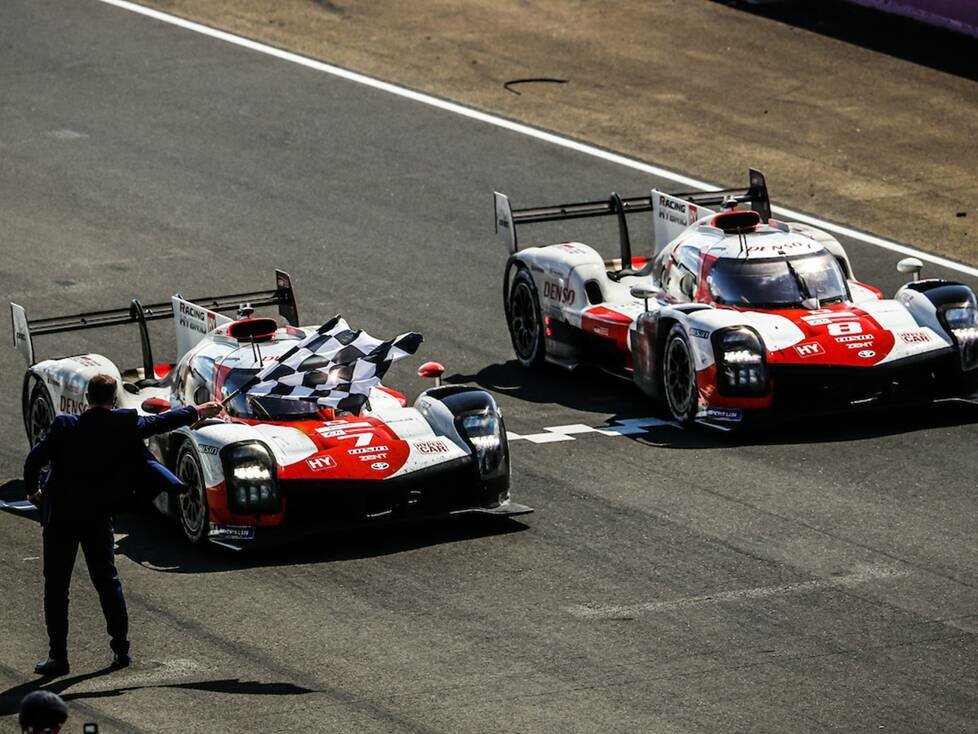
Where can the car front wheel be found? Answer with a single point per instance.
(193, 510)
(679, 376)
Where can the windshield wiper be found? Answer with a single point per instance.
(258, 407)
(799, 281)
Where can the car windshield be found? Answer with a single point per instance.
(782, 282)
(264, 408)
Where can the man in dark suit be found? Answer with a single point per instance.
(95, 457)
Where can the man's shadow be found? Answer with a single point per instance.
(10, 699)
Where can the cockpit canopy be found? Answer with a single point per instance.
(777, 282)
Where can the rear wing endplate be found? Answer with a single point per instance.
(507, 219)
(283, 296)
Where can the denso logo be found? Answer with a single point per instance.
(321, 463)
(809, 350)
(856, 338)
(367, 450)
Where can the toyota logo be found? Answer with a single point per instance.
(866, 354)
(379, 466)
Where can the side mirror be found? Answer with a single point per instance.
(644, 292)
(687, 285)
(432, 370)
(155, 405)
(910, 265)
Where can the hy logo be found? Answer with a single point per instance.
(320, 463)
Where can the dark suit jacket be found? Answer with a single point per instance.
(96, 459)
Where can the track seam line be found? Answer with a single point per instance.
(524, 129)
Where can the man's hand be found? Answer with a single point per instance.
(36, 499)
(209, 410)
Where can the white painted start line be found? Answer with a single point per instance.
(626, 427)
(861, 575)
(527, 130)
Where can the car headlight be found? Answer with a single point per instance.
(484, 433)
(961, 321)
(250, 478)
(741, 361)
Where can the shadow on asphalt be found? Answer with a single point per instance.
(155, 542)
(586, 389)
(10, 699)
(893, 35)
(592, 391)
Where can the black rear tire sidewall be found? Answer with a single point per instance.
(188, 453)
(39, 393)
(687, 416)
(534, 357)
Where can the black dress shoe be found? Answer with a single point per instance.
(120, 660)
(52, 667)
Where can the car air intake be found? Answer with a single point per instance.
(737, 222)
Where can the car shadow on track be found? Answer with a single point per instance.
(592, 391)
(585, 389)
(156, 543)
(893, 35)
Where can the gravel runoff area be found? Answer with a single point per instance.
(702, 87)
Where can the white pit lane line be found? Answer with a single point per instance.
(862, 574)
(529, 131)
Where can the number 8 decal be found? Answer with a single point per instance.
(843, 328)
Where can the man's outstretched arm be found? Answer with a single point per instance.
(151, 425)
(40, 456)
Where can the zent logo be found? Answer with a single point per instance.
(379, 466)
(866, 354)
(320, 463)
(809, 350)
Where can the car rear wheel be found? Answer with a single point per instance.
(40, 413)
(526, 321)
(192, 504)
(679, 376)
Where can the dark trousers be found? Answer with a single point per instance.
(98, 546)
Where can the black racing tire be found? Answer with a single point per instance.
(525, 321)
(40, 413)
(193, 513)
(679, 376)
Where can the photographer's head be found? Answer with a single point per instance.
(101, 392)
(42, 712)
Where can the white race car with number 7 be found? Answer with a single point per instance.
(311, 438)
(734, 316)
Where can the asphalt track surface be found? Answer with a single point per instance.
(820, 578)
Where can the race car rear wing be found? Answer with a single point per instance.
(508, 219)
(283, 296)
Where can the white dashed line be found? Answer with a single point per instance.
(862, 574)
(625, 427)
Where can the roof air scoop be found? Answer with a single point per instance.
(257, 329)
(740, 221)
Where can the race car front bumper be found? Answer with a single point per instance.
(802, 390)
(315, 506)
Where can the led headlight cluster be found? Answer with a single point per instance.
(484, 433)
(741, 363)
(961, 321)
(249, 473)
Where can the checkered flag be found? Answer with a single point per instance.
(334, 367)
